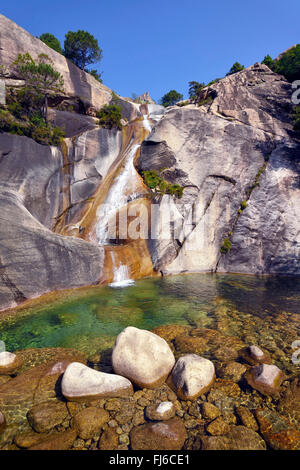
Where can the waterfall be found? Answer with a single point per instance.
(117, 197)
(146, 123)
(121, 274)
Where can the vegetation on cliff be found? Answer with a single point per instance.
(288, 64)
(171, 98)
(82, 48)
(27, 107)
(51, 41)
(158, 184)
(110, 116)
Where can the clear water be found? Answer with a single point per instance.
(261, 310)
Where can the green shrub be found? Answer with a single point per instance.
(226, 246)
(110, 116)
(155, 181)
(243, 205)
(36, 129)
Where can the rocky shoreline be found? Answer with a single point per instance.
(155, 390)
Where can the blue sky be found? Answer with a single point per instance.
(159, 45)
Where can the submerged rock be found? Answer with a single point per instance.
(254, 355)
(9, 363)
(142, 357)
(265, 378)
(161, 412)
(46, 416)
(239, 438)
(80, 383)
(167, 435)
(2, 422)
(277, 430)
(58, 441)
(192, 376)
(90, 421)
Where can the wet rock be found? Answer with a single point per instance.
(166, 435)
(218, 427)
(9, 363)
(90, 421)
(232, 371)
(277, 430)
(2, 422)
(225, 354)
(265, 378)
(190, 344)
(209, 411)
(192, 376)
(33, 357)
(81, 383)
(254, 355)
(160, 412)
(142, 357)
(45, 416)
(169, 332)
(4, 379)
(246, 417)
(109, 440)
(226, 388)
(239, 438)
(60, 441)
(29, 439)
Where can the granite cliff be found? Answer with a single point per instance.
(235, 156)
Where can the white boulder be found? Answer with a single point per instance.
(80, 382)
(192, 376)
(143, 357)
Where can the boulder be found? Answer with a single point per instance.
(192, 376)
(167, 435)
(265, 378)
(45, 416)
(81, 383)
(160, 412)
(90, 421)
(9, 363)
(142, 357)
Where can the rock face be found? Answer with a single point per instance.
(82, 383)
(77, 83)
(192, 376)
(142, 357)
(238, 148)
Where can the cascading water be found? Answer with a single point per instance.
(117, 197)
(121, 275)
